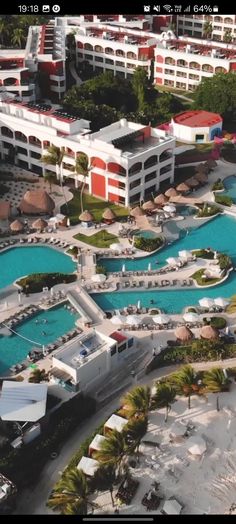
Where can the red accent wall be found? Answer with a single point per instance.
(98, 185)
(159, 69)
(159, 58)
(232, 66)
(98, 162)
(146, 51)
(47, 67)
(113, 198)
(160, 21)
(147, 131)
(115, 168)
(112, 182)
(159, 80)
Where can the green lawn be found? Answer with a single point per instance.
(202, 281)
(100, 239)
(93, 204)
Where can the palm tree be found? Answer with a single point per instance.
(70, 496)
(54, 157)
(137, 401)
(227, 36)
(113, 450)
(82, 168)
(185, 382)
(38, 375)
(18, 37)
(164, 397)
(104, 479)
(134, 431)
(50, 178)
(215, 381)
(207, 29)
(4, 31)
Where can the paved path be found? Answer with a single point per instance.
(74, 74)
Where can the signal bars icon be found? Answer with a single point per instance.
(187, 10)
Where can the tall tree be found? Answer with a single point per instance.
(207, 29)
(70, 496)
(217, 94)
(54, 157)
(140, 86)
(164, 397)
(185, 382)
(134, 431)
(18, 38)
(104, 479)
(113, 450)
(227, 36)
(82, 167)
(50, 179)
(215, 381)
(137, 401)
(4, 31)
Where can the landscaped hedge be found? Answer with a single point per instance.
(36, 282)
(224, 200)
(204, 253)
(208, 211)
(148, 244)
(218, 185)
(216, 322)
(225, 261)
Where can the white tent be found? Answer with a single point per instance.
(133, 320)
(206, 302)
(169, 208)
(172, 261)
(60, 217)
(196, 445)
(22, 401)
(88, 466)
(172, 507)
(116, 422)
(118, 319)
(116, 247)
(222, 302)
(161, 319)
(98, 277)
(97, 442)
(191, 317)
(187, 255)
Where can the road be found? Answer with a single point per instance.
(33, 502)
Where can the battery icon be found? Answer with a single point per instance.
(215, 8)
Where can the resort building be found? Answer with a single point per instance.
(128, 160)
(196, 126)
(194, 25)
(7, 491)
(15, 76)
(85, 362)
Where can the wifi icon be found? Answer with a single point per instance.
(168, 8)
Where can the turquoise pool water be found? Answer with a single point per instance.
(146, 233)
(219, 233)
(186, 211)
(230, 186)
(14, 349)
(19, 261)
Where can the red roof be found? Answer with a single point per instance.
(119, 337)
(197, 119)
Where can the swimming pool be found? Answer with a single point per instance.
(146, 233)
(186, 211)
(14, 349)
(217, 233)
(17, 262)
(230, 186)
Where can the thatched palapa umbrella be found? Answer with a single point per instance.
(149, 206)
(183, 187)
(201, 177)
(202, 168)
(183, 333)
(161, 199)
(137, 212)
(39, 224)
(109, 215)
(37, 202)
(209, 333)
(86, 216)
(192, 182)
(16, 226)
(171, 192)
(211, 163)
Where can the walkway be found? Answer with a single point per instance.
(74, 74)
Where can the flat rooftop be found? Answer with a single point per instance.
(197, 119)
(83, 349)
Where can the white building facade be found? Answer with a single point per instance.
(193, 25)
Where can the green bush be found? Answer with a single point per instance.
(225, 261)
(216, 322)
(148, 244)
(73, 251)
(101, 269)
(208, 211)
(204, 253)
(34, 283)
(224, 200)
(199, 277)
(218, 185)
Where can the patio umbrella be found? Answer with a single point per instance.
(86, 216)
(211, 163)
(116, 247)
(171, 192)
(185, 254)
(99, 277)
(201, 177)
(209, 333)
(137, 212)
(123, 268)
(161, 319)
(39, 224)
(172, 261)
(196, 445)
(118, 319)
(222, 302)
(201, 168)
(149, 206)
(183, 187)
(191, 317)
(183, 333)
(16, 226)
(161, 199)
(60, 217)
(170, 208)
(133, 320)
(192, 182)
(109, 215)
(206, 302)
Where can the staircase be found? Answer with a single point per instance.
(80, 297)
(88, 265)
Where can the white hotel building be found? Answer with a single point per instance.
(128, 160)
(193, 25)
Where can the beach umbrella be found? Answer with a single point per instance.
(118, 319)
(149, 266)
(192, 182)
(109, 215)
(222, 302)
(161, 199)
(86, 216)
(171, 192)
(60, 217)
(209, 333)
(183, 333)
(137, 212)
(211, 163)
(201, 177)
(39, 224)
(16, 226)
(191, 317)
(133, 320)
(139, 304)
(99, 277)
(172, 261)
(202, 168)
(123, 268)
(196, 445)
(183, 187)
(169, 208)
(185, 254)
(149, 206)
(161, 319)
(206, 302)
(116, 247)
